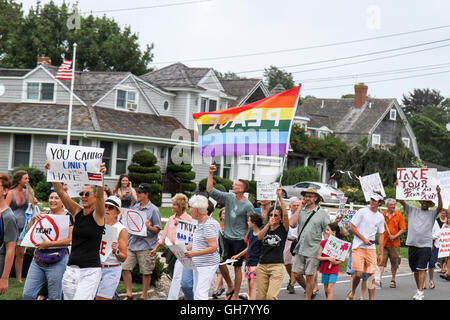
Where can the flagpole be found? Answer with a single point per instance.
(69, 121)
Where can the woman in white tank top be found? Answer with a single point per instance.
(112, 266)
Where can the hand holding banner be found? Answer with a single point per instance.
(267, 191)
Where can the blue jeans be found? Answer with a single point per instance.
(37, 276)
(187, 283)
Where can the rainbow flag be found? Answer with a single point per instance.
(260, 128)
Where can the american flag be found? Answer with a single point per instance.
(65, 71)
(94, 176)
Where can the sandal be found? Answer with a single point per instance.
(128, 298)
(348, 297)
(229, 295)
(431, 286)
(393, 284)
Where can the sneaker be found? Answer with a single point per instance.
(419, 296)
(290, 289)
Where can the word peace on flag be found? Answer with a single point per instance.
(416, 184)
(52, 227)
(336, 248)
(74, 164)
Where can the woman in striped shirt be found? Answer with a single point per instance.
(204, 247)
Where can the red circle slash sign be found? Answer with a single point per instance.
(134, 221)
(43, 224)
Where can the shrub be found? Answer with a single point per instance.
(292, 176)
(184, 174)
(144, 170)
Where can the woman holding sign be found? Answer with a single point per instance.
(83, 273)
(179, 207)
(50, 257)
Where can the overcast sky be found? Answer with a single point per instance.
(251, 33)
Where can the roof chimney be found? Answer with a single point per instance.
(360, 94)
(44, 60)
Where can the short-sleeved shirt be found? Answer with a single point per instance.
(368, 223)
(205, 230)
(9, 228)
(137, 243)
(324, 265)
(236, 213)
(170, 229)
(395, 224)
(420, 226)
(273, 246)
(309, 242)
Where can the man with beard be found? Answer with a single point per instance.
(311, 222)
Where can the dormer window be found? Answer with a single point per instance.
(393, 114)
(208, 105)
(126, 100)
(41, 91)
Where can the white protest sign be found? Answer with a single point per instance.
(185, 232)
(74, 189)
(371, 183)
(74, 164)
(108, 238)
(178, 250)
(266, 191)
(347, 216)
(416, 184)
(444, 243)
(444, 184)
(336, 248)
(134, 222)
(52, 227)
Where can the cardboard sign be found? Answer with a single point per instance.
(347, 216)
(185, 232)
(444, 184)
(52, 227)
(336, 248)
(74, 164)
(444, 243)
(371, 183)
(178, 250)
(416, 184)
(109, 236)
(134, 222)
(267, 191)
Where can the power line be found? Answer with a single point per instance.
(150, 7)
(304, 48)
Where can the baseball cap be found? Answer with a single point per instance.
(143, 188)
(376, 196)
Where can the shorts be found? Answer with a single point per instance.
(434, 258)
(364, 260)
(287, 252)
(305, 265)
(329, 278)
(109, 282)
(393, 253)
(250, 272)
(143, 258)
(418, 258)
(352, 272)
(232, 248)
(80, 283)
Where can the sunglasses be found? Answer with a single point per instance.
(109, 207)
(87, 194)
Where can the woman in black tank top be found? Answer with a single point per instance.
(84, 260)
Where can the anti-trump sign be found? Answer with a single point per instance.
(416, 184)
(185, 232)
(74, 164)
(134, 222)
(52, 227)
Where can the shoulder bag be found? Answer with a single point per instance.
(294, 243)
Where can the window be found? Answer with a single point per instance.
(322, 134)
(376, 138)
(21, 151)
(121, 158)
(107, 155)
(406, 142)
(72, 142)
(393, 114)
(125, 97)
(40, 91)
(166, 105)
(208, 105)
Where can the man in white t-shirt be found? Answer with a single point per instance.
(365, 224)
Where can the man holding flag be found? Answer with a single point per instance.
(260, 128)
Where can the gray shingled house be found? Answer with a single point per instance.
(118, 111)
(351, 119)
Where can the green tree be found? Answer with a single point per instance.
(273, 76)
(415, 101)
(10, 19)
(102, 44)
